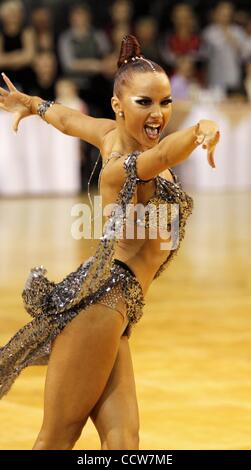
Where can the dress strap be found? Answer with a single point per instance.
(113, 155)
(175, 178)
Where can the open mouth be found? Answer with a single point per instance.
(152, 130)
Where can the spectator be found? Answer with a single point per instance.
(121, 13)
(16, 45)
(45, 69)
(67, 94)
(118, 32)
(184, 39)
(42, 23)
(247, 79)
(109, 67)
(248, 32)
(240, 17)
(146, 29)
(81, 49)
(184, 83)
(226, 48)
(109, 64)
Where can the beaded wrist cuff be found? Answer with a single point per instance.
(42, 107)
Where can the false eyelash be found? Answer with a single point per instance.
(168, 101)
(145, 101)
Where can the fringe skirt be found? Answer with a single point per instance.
(31, 345)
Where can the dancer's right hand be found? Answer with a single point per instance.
(15, 102)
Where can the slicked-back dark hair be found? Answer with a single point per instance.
(131, 60)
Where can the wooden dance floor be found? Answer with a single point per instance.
(192, 348)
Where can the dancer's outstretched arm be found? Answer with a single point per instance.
(170, 151)
(178, 146)
(66, 120)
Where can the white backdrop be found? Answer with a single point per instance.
(38, 159)
(233, 153)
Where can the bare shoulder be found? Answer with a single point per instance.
(107, 125)
(113, 173)
(88, 128)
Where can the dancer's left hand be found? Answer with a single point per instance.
(208, 134)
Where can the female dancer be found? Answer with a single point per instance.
(82, 324)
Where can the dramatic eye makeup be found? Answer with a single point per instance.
(146, 101)
(167, 100)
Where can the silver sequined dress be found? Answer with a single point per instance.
(53, 305)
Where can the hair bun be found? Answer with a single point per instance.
(130, 47)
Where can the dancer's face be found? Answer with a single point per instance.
(146, 104)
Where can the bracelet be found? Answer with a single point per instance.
(42, 107)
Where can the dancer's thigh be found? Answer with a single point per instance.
(116, 415)
(81, 360)
(121, 308)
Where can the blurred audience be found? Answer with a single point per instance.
(109, 63)
(109, 67)
(43, 24)
(240, 18)
(248, 33)
(121, 14)
(184, 39)
(247, 79)
(146, 30)
(227, 49)
(78, 42)
(67, 50)
(45, 68)
(81, 49)
(17, 44)
(66, 93)
(184, 82)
